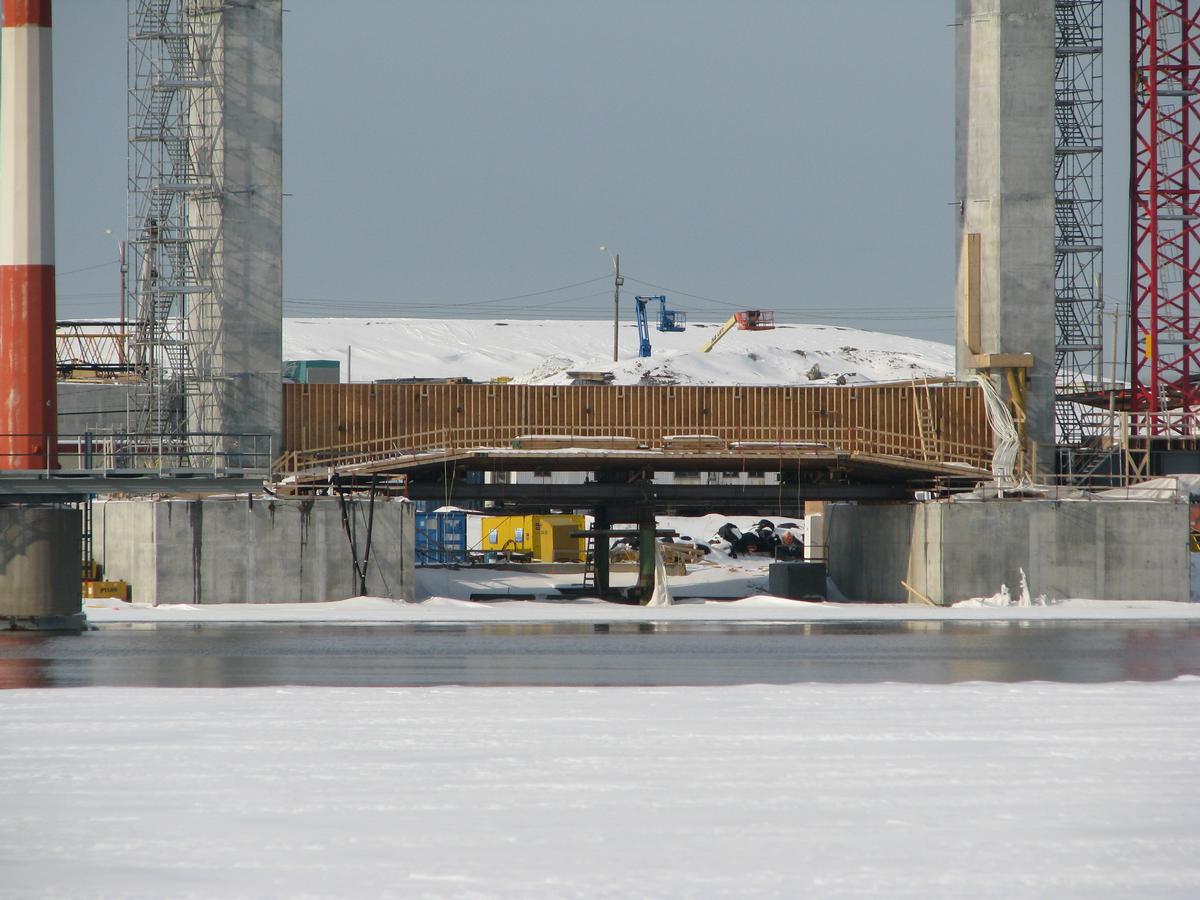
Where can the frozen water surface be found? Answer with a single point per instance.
(589, 654)
(973, 789)
(994, 786)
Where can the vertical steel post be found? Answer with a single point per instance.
(617, 282)
(124, 270)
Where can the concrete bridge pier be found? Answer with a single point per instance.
(40, 571)
(1004, 177)
(646, 533)
(953, 550)
(601, 521)
(647, 536)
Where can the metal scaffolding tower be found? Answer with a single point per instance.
(1078, 220)
(174, 219)
(1165, 215)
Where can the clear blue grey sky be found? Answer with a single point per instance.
(795, 155)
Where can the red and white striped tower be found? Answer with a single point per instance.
(28, 404)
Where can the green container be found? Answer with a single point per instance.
(312, 371)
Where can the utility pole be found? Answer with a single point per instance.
(1112, 392)
(1098, 290)
(617, 282)
(124, 271)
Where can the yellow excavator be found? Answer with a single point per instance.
(745, 320)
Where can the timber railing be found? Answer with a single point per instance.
(355, 424)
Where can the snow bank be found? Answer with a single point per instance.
(756, 608)
(544, 352)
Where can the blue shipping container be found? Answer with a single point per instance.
(441, 538)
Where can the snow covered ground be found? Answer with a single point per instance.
(969, 790)
(543, 352)
(759, 608)
(720, 588)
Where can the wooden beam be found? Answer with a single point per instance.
(1002, 361)
(972, 280)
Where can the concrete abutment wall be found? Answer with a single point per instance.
(253, 550)
(40, 563)
(954, 550)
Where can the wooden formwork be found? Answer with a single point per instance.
(345, 423)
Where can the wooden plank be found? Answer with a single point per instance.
(694, 443)
(972, 255)
(563, 441)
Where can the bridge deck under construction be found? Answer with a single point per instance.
(907, 432)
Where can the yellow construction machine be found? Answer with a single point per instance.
(744, 320)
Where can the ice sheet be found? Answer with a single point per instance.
(979, 790)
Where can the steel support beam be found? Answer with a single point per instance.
(724, 497)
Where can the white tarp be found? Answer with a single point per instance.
(662, 591)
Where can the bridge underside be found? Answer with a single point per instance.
(626, 478)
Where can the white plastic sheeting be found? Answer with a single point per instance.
(662, 590)
(1004, 431)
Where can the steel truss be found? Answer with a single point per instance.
(1164, 211)
(174, 219)
(1078, 220)
(93, 351)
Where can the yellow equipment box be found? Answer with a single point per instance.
(107, 590)
(546, 538)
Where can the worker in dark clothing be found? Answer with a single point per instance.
(791, 545)
(739, 541)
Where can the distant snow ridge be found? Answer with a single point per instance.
(544, 352)
(551, 366)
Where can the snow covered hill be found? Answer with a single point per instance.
(543, 352)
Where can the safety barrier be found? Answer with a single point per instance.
(346, 424)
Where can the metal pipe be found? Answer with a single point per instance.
(124, 269)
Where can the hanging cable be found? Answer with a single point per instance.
(1006, 442)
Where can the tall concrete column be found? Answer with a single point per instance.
(1004, 176)
(243, 321)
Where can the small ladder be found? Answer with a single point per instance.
(87, 563)
(926, 426)
(589, 563)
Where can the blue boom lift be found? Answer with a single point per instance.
(668, 320)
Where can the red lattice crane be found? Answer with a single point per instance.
(1165, 217)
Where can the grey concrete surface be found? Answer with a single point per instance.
(955, 550)
(40, 568)
(252, 550)
(243, 320)
(95, 407)
(1004, 182)
(867, 549)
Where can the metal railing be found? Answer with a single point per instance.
(912, 425)
(723, 443)
(137, 453)
(1118, 486)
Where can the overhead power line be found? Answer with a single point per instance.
(111, 262)
(441, 304)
